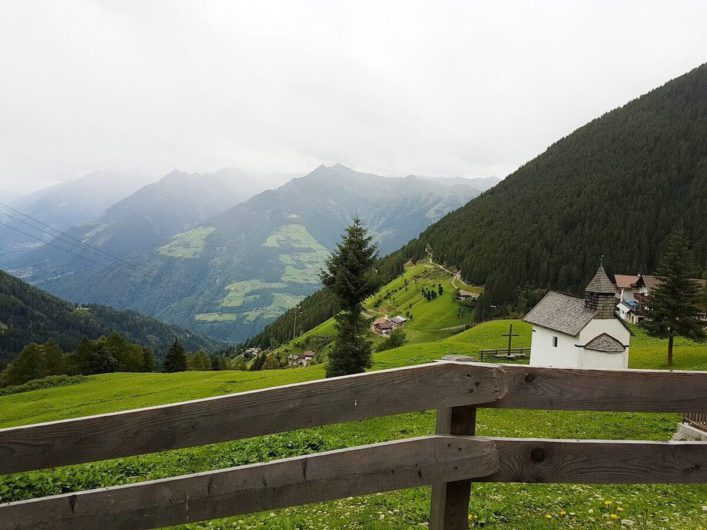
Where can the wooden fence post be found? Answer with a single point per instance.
(449, 509)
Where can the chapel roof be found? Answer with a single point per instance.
(561, 312)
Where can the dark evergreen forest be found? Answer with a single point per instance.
(28, 314)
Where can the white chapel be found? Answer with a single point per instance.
(573, 332)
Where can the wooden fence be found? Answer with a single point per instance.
(448, 461)
(505, 354)
(696, 419)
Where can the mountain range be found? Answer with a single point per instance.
(151, 215)
(236, 271)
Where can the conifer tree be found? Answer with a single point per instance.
(351, 276)
(176, 358)
(672, 308)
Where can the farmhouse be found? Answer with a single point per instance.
(383, 325)
(307, 358)
(301, 360)
(626, 286)
(573, 332)
(398, 320)
(252, 352)
(633, 293)
(466, 295)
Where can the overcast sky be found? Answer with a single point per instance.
(432, 88)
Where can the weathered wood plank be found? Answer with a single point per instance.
(532, 387)
(294, 481)
(449, 509)
(599, 461)
(247, 414)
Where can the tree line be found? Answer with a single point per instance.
(106, 354)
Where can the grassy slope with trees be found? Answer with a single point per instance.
(28, 314)
(432, 320)
(492, 505)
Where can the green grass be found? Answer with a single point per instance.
(187, 244)
(303, 255)
(492, 505)
(238, 292)
(215, 317)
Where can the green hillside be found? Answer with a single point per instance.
(493, 505)
(28, 314)
(428, 320)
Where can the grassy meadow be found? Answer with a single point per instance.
(492, 506)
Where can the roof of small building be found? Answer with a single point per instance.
(398, 319)
(383, 323)
(625, 281)
(309, 354)
(605, 343)
(601, 283)
(650, 281)
(462, 292)
(560, 312)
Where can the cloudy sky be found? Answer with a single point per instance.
(436, 88)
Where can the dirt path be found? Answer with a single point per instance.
(455, 275)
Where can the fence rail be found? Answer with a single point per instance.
(697, 419)
(504, 355)
(448, 461)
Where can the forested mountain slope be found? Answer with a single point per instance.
(613, 188)
(28, 314)
(240, 269)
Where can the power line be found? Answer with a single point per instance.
(49, 227)
(103, 264)
(90, 249)
(79, 245)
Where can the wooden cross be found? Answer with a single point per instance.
(510, 336)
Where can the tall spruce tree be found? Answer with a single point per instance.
(673, 307)
(351, 276)
(176, 358)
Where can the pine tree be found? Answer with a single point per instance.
(176, 358)
(351, 276)
(672, 309)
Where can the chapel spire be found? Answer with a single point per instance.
(599, 295)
